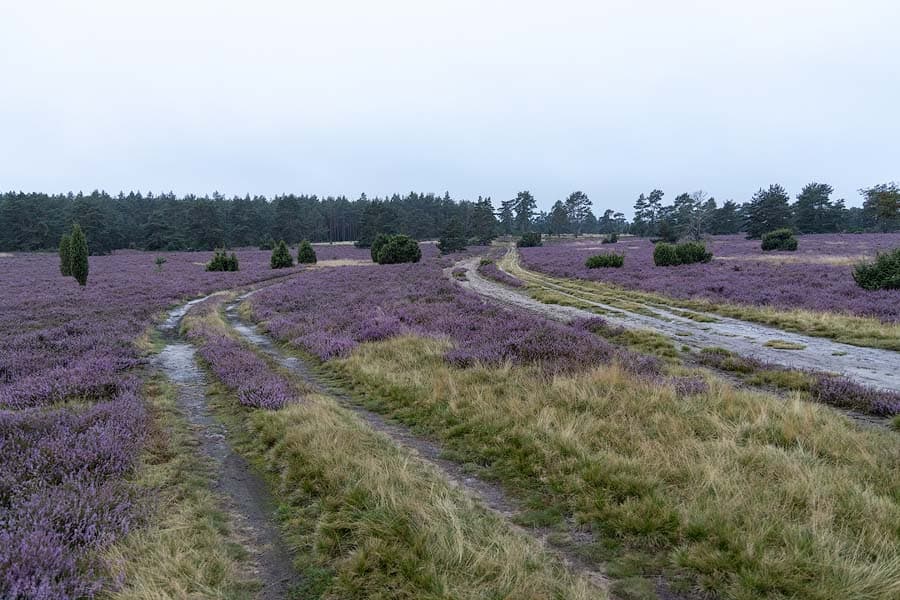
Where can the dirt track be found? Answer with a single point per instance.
(868, 366)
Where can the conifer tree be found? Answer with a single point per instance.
(78, 251)
(281, 257)
(65, 255)
(306, 255)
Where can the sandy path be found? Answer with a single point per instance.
(868, 366)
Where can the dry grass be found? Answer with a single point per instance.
(811, 259)
(784, 345)
(189, 548)
(753, 496)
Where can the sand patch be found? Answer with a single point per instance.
(343, 262)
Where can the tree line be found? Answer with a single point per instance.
(35, 221)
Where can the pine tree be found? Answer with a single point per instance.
(577, 207)
(483, 224)
(768, 210)
(281, 257)
(453, 239)
(306, 255)
(814, 211)
(559, 219)
(524, 206)
(78, 249)
(65, 255)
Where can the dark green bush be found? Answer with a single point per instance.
(669, 255)
(281, 257)
(398, 249)
(222, 262)
(780, 239)
(529, 239)
(610, 238)
(65, 255)
(78, 255)
(665, 255)
(692, 252)
(453, 238)
(605, 260)
(306, 255)
(267, 244)
(380, 240)
(883, 274)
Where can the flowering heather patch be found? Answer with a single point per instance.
(489, 269)
(62, 494)
(329, 312)
(237, 366)
(818, 276)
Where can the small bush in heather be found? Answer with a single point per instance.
(380, 240)
(610, 238)
(398, 249)
(306, 255)
(160, 261)
(883, 274)
(78, 253)
(780, 239)
(65, 255)
(605, 260)
(692, 252)
(281, 257)
(222, 262)
(665, 255)
(267, 244)
(529, 239)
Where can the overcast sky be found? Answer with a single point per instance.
(480, 97)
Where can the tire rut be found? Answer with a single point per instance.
(245, 493)
(491, 495)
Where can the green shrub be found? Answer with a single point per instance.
(281, 257)
(78, 255)
(160, 261)
(306, 255)
(780, 239)
(398, 249)
(692, 252)
(65, 255)
(380, 240)
(669, 255)
(883, 274)
(221, 262)
(605, 260)
(610, 238)
(665, 255)
(267, 244)
(529, 239)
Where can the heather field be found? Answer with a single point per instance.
(415, 440)
(816, 277)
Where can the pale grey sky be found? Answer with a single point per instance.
(474, 97)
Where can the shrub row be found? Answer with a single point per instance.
(529, 239)
(667, 255)
(222, 262)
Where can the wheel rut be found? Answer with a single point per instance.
(491, 495)
(245, 493)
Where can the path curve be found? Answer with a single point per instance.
(868, 366)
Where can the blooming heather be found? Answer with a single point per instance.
(818, 276)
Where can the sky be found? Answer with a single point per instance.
(475, 98)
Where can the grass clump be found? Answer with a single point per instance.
(605, 260)
(189, 548)
(883, 274)
(784, 345)
(780, 239)
(742, 493)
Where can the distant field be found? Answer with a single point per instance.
(816, 277)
